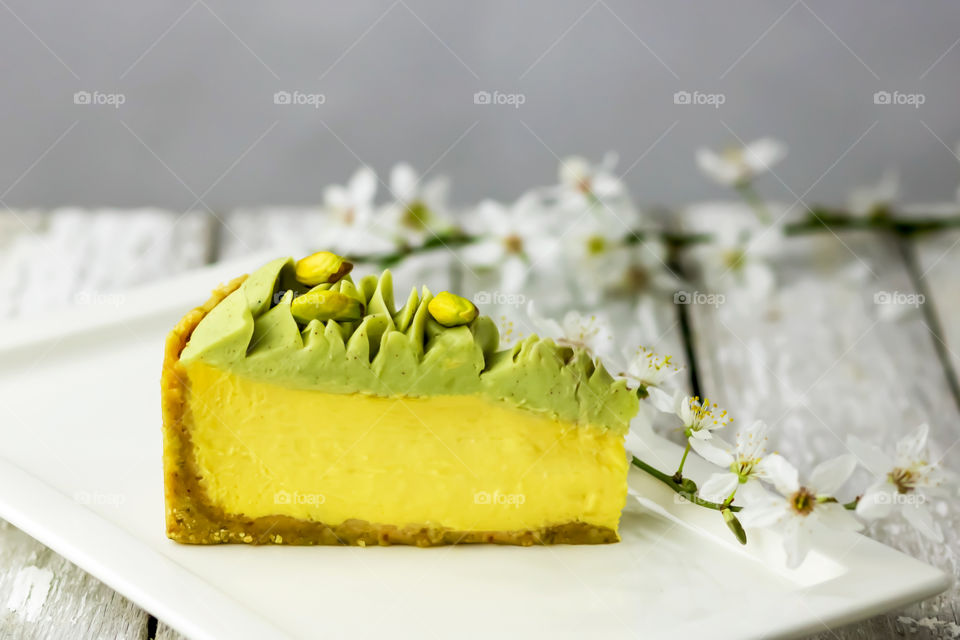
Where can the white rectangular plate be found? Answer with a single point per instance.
(80, 471)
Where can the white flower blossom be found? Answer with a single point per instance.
(746, 462)
(349, 227)
(604, 257)
(699, 417)
(592, 333)
(738, 166)
(740, 259)
(800, 508)
(901, 480)
(580, 178)
(515, 240)
(647, 271)
(649, 369)
(873, 199)
(420, 210)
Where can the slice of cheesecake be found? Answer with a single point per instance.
(301, 407)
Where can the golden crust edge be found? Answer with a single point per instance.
(191, 519)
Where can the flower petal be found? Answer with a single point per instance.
(760, 507)
(762, 154)
(758, 279)
(835, 516)
(513, 274)
(403, 182)
(920, 517)
(716, 451)
(716, 168)
(485, 253)
(870, 456)
(781, 473)
(877, 501)
(829, 475)
(796, 541)
(751, 441)
(573, 170)
(719, 486)
(912, 447)
(336, 197)
(363, 186)
(662, 400)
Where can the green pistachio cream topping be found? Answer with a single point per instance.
(357, 341)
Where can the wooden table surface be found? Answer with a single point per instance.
(822, 362)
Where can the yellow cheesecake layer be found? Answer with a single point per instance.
(461, 463)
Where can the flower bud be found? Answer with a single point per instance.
(733, 523)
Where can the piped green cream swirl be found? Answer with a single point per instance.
(399, 352)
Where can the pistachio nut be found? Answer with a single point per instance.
(321, 267)
(324, 304)
(451, 310)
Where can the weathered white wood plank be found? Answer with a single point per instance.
(48, 261)
(45, 596)
(828, 357)
(74, 256)
(166, 632)
(938, 270)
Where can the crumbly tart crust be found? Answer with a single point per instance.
(192, 519)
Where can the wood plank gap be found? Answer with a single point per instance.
(215, 241)
(930, 315)
(686, 330)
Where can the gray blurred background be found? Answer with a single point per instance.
(199, 120)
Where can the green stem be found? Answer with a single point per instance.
(733, 493)
(849, 506)
(668, 480)
(678, 476)
(752, 198)
(818, 220)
